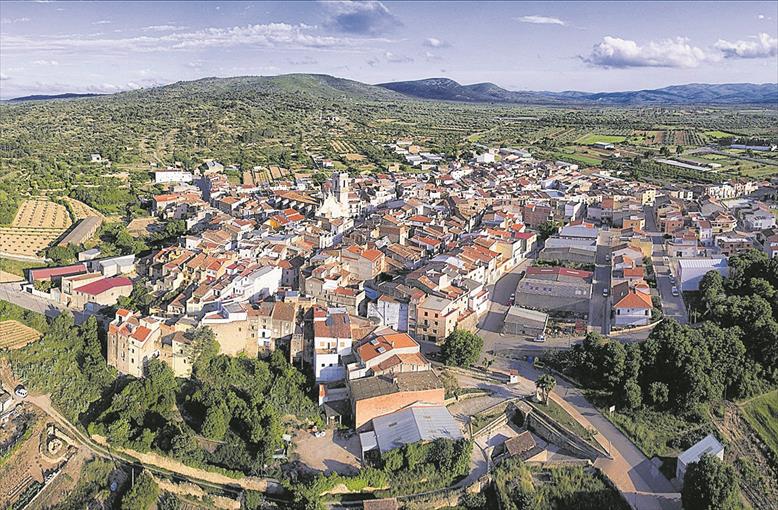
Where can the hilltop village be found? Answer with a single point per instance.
(370, 284)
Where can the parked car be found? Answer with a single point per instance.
(512, 300)
(320, 433)
(21, 391)
(675, 291)
(540, 338)
(672, 279)
(605, 292)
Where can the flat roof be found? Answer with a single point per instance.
(414, 424)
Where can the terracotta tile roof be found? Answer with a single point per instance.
(369, 349)
(104, 285)
(634, 300)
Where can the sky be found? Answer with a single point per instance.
(49, 47)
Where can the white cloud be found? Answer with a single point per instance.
(397, 59)
(45, 62)
(760, 46)
(542, 20)
(4, 77)
(102, 22)
(360, 17)
(623, 53)
(303, 61)
(10, 21)
(162, 28)
(433, 42)
(271, 35)
(373, 62)
(431, 56)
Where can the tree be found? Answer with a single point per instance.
(462, 348)
(545, 384)
(141, 495)
(710, 484)
(547, 229)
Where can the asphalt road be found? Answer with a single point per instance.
(490, 326)
(672, 306)
(641, 481)
(599, 305)
(13, 293)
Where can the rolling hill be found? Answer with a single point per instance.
(444, 89)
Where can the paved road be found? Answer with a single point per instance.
(13, 293)
(632, 472)
(672, 306)
(490, 326)
(600, 305)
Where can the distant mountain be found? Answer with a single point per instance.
(316, 85)
(41, 97)
(440, 89)
(444, 89)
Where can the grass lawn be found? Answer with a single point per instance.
(591, 138)
(762, 414)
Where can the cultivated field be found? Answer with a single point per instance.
(41, 214)
(36, 225)
(15, 335)
(80, 209)
(26, 241)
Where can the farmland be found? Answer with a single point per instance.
(36, 225)
(592, 138)
(15, 335)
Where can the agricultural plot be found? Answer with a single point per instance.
(592, 138)
(36, 225)
(15, 335)
(81, 210)
(41, 214)
(762, 414)
(343, 146)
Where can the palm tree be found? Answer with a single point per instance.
(545, 384)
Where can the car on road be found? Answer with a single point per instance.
(605, 292)
(540, 338)
(21, 391)
(512, 300)
(675, 291)
(672, 279)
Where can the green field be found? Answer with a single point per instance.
(762, 414)
(576, 158)
(592, 138)
(718, 134)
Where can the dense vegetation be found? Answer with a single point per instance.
(519, 487)
(11, 311)
(665, 385)
(244, 403)
(710, 484)
(68, 364)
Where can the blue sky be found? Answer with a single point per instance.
(54, 47)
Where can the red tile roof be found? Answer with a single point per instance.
(104, 285)
(47, 273)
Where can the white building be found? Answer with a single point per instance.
(690, 271)
(389, 311)
(708, 445)
(332, 340)
(172, 175)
